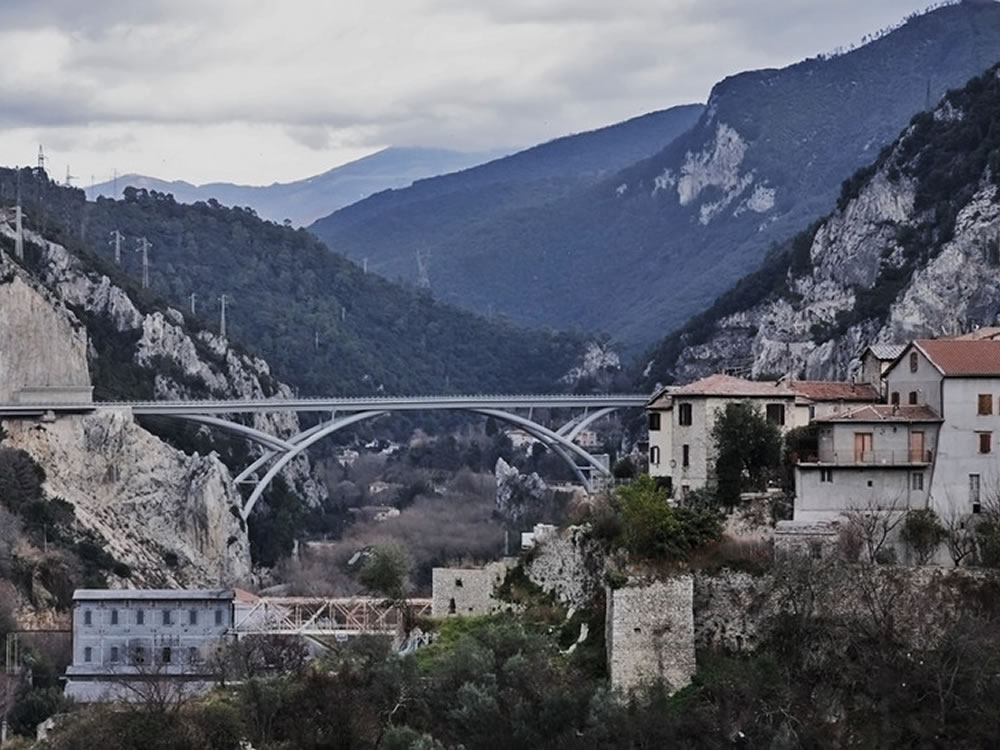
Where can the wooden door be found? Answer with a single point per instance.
(863, 442)
(917, 448)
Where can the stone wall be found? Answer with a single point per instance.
(567, 564)
(468, 591)
(650, 633)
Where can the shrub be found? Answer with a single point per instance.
(652, 528)
(924, 533)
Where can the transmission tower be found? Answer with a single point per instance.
(143, 248)
(222, 315)
(116, 240)
(18, 228)
(194, 298)
(69, 177)
(41, 159)
(423, 269)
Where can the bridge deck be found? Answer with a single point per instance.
(338, 404)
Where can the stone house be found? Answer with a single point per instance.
(124, 638)
(681, 419)
(875, 360)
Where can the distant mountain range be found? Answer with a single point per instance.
(638, 249)
(303, 201)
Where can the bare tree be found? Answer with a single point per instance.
(960, 536)
(874, 522)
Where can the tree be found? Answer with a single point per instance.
(386, 572)
(923, 532)
(748, 450)
(874, 523)
(653, 528)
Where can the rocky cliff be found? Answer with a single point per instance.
(172, 517)
(913, 250)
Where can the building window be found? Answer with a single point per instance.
(86, 617)
(685, 489)
(114, 617)
(974, 492)
(776, 414)
(139, 655)
(985, 442)
(451, 606)
(140, 617)
(684, 415)
(894, 398)
(985, 404)
(193, 617)
(917, 481)
(913, 398)
(218, 617)
(685, 455)
(654, 421)
(194, 657)
(826, 475)
(654, 455)
(166, 655)
(88, 653)
(114, 654)
(166, 617)
(914, 362)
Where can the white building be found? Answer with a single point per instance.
(934, 445)
(126, 638)
(681, 419)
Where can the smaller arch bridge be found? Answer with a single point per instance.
(344, 412)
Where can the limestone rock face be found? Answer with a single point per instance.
(144, 497)
(518, 495)
(41, 344)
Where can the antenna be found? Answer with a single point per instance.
(69, 177)
(194, 298)
(143, 248)
(423, 269)
(116, 240)
(18, 228)
(222, 316)
(41, 158)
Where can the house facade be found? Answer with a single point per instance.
(123, 639)
(933, 445)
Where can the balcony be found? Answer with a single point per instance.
(872, 458)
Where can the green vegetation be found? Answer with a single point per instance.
(923, 532)
(748, 451)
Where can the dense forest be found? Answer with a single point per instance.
(324, 325)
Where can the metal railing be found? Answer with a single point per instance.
(870, 458)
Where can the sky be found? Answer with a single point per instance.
(257, 91)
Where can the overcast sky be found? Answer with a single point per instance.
(257, 91)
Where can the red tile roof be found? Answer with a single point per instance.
(883, 413)
(833, 390)
(962, 357)
(727, 385)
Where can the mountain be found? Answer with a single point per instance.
(913, 250)
(324, 325)
(643, 249)
(303, 201)
(434, 213)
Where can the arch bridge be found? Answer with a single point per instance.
(343, 412)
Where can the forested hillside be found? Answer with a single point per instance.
(324, 325)
(432, 214)
(643, 250)
(912, 250)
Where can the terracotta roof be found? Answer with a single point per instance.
(886, 351)
(833, 390)
(962, 357)
(883, 413)
(661, 399)
(727, 385)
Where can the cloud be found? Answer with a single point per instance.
(315, 75)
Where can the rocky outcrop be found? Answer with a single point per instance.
(171, 517)
(518, 495)
(900, 259)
